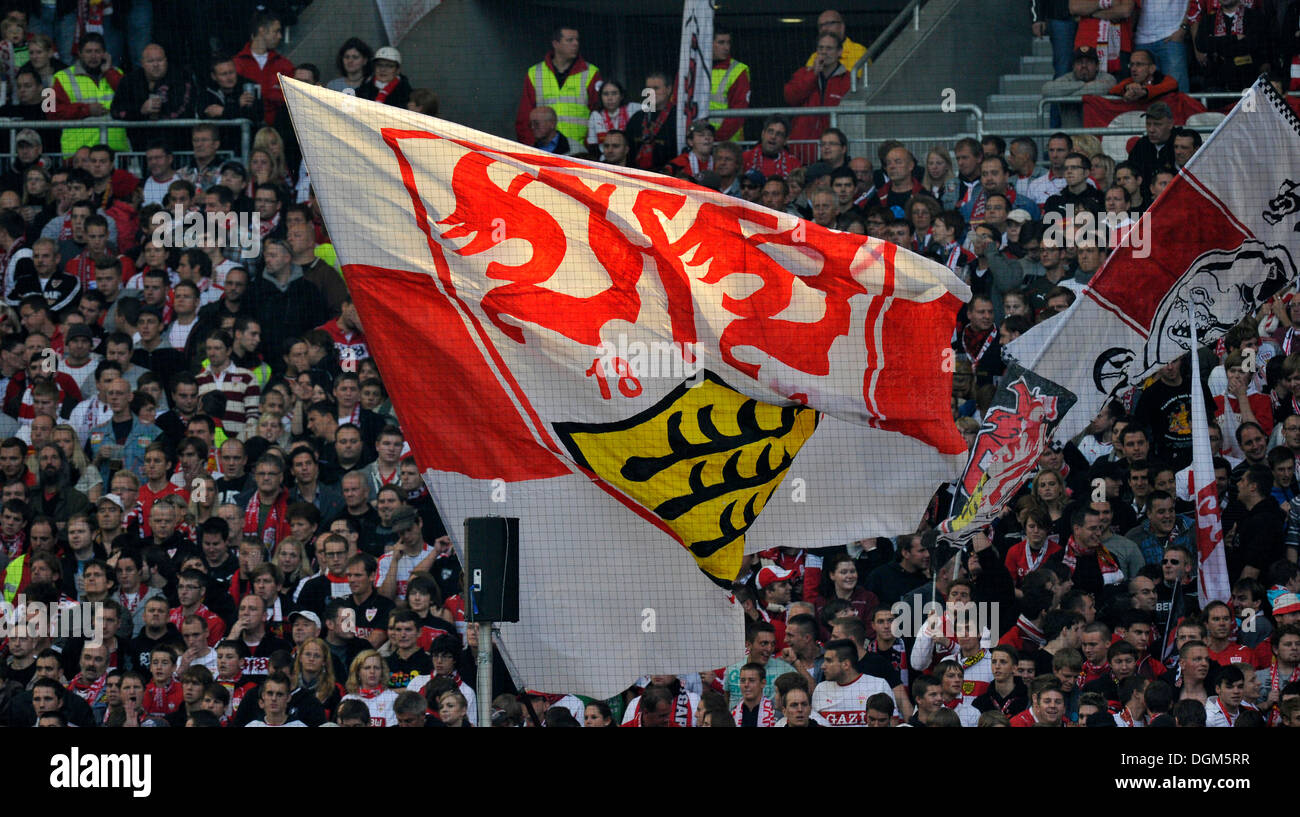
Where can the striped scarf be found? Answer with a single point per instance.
(766, 713)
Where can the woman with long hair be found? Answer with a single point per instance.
(352, 62)
(840, 580)
(88, 480)
(614, 114)
(203, 501)
(368, 682)
(40, 55)
(939, 180)
(1049, 492)
(268, 139)
(313, 673)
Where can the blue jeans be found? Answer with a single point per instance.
(139, 28)
(1062, 34)
(1171, 59)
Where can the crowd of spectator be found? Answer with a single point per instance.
(196, 444)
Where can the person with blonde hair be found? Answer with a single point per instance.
(313, 671)
(89, 481)
(939, 179)
(367, 682)
(1103, 170)
(268, 139)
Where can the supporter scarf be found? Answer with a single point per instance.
(133, 601)
(619, 123)
(14, 545)
(782, 161)
(90, 16)
(158, 698)
(1127, 716)
(369, 694)
(418, 493)
(682, 712)
(1231, 719)
(695, 163)
(385, 480)
(1275, 716)
(967, 663)
(1287, 340)
(645, 152)
(1027, 628)
(1109, 566)
(277, 527)
(381, 94)
(970, 340)
(1031, 561)
(266, 227)
(88, 692)
(1091, 670)
(766, 713)
(1221, 30)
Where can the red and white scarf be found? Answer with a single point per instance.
(1275, 685)
(265, 226)
(372, 693)
(618, 122)
(1105, 560)
(15, 545)
(382, 91)
(766, 713)
(91, 16)
(88, 692)
(1028, 631)
(276, 527)
(1238, 29)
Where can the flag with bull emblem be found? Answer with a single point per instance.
(1221, 240)
(654, 378)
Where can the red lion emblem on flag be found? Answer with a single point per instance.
(1012, 437)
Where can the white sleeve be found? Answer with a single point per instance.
(922, 651)
(821, 698)
(381, 571)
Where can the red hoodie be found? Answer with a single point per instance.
(267, 77)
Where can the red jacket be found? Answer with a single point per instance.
(268, 78)
(528, 99)
(64, 108)
(807, 89)
(1166, 85)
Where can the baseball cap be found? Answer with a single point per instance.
(307, 614)
(235, 166)
(1159, 110)
(1084, 52)
(701, 125)
(772, 574)
(1019, 216)
(753, 177)
(27, 136)
(389, 53)
(1286, 603)
(115, 499)
(404, 518)
(79, 330)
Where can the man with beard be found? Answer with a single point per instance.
(56, 497)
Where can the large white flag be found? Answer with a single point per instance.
(630, 365)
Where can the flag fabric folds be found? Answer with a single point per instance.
(695, 66)
(1222, 239)
(1212, 561)
(655, 378)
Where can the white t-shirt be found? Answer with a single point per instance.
(83, 374)
(155, 191)
(178, 332)
(1158, 20)
(418, 683)
(380, 706)
(405, 567)
(264, 723)
(846, 704)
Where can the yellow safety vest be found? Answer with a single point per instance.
(720, 85)
(81, 88)
(569, 100)
(13, 575)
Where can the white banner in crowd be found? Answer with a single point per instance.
(629, 364)
(695, 65)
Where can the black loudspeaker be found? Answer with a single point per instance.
(492, 569)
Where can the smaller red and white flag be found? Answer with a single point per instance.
(1213, 566)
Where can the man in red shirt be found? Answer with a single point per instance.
(191, 590)
(769, 156)
(260, 63)
(1224, 649)
(1047, 704)
(163, 695)
(824, 84)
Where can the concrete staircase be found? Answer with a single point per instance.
(1014, 108)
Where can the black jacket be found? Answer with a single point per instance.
(286, 313)
(176, 89)
(398, 97)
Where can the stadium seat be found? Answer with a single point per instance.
(1118, 146)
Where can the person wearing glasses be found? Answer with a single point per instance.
(1077, 190)
(1144, 83)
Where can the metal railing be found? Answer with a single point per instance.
(104, 124)
(911, 12)
(836, 111)
(1204, 97)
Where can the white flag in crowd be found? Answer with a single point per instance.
(630, 364)
(1222, 241)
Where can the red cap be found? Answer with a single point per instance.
(771, 574)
